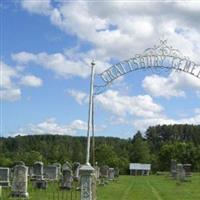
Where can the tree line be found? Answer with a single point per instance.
(158, 145)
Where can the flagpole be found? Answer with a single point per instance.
(90, 112)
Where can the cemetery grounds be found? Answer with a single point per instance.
(127, 188)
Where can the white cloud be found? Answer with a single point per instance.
(7, 74)
(11, 81)
(37, 6)
(79, 96)
(171, 86)
(11, 94)
(143, 124)
(51, 126)
(30, 80)
(9, 91)
(120, 29)
(197, 110)
(138, 111)
(189, 5)
(63, 65)
(122, 105)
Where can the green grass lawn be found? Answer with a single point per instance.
(128, 188)
(150, 188)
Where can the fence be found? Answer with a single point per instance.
(53, 192)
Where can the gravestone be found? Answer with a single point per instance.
(66, 165)
(97, 172)
(67, 178)
(111, 174)
(76, 168)
(20, 182)
(173, 168)
(20, 163)
(187, 168)
(116, 172)
(104, 174)
(180, 173)
(59, 166)
(30, 172)
(38, 174)
(38, 171)
(4, 177)
(51, 173)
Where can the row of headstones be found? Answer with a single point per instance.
(107, 174)
(180, 171)
(40, 175)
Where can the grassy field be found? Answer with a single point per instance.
(128, 188)
(151, 188)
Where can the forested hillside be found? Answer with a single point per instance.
(158, 145)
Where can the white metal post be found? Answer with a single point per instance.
(90, 113)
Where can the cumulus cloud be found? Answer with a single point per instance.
(51, 126)
(70, 63)
(139, 111)
(39, 6)
(30, 80)
(171, 86)
(8, 90)
(121, 29)
(122, 105)
(79, 96)
(143, 124)
(11, 94)
(11, 81)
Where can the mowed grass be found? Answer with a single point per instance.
(150, 188)
(127, 188)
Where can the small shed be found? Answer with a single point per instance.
(139, 169)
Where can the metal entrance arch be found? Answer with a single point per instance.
(161, 56)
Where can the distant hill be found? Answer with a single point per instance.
(158, 145)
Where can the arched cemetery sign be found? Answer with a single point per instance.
(162, 56)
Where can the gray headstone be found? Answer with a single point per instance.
(173, 168)
(30, 172)
(67, 179)
(66, 165)
(104, 171)
(59, 166)
(97, 172)
(76, 168)
(111, 174)
(180, 173)
(187, 168)
(51, 172)
(20, 182)
(4, 177)
(116, 172)
(38, 175)
(38, 171)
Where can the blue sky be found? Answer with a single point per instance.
(46, 50)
